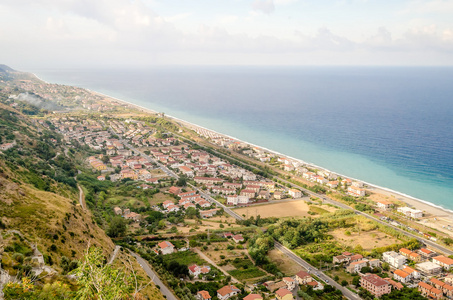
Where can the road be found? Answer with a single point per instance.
(163, 288)
(347, 293)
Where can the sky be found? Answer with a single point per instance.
(142, 33)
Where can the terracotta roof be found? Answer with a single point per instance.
(252, 297)
(444, 260)
(406, 251)
(289, 279)
(401, 273)
(425, 285)
(436, 291)
(409, 270)
(165, 244)
(282, 292)
(302, 274)
(375, 280)
(356, 257)
(227, 290)
(426, 251)
(204, 294)
(437, 281)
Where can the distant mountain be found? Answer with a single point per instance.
(5, 68)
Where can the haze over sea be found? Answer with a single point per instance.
(389, 126)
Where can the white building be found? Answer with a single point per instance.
(237, 200)
(295, 193)
(409, 212)
(356, 192)
(394, 259)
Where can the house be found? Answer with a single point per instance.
(315, 285)
(295, 193)
(429, 268)
(429, 291)
(167, 203)
(227, 292)
(133, 216)
(332, 184)
(118, 211)
(443, 261)
(426, 253)
(174, 190)
(412, 272)
(203, 295)
(278, 195)
(401, 276)
(355, 257)
(166, 247)
(235, 200)
(284, 294)
(196, 270)
(303, 277)
(394, 259)
(248, 193)
(394, 284)
(290, 283)
(374, 263)
(172, 208)
(341, 259)
(101, 178)
(238, 238)
(208, 213)
(253, 297)
(208, 180)
(356, 266)
(409, 212)
(384, 205)
(375, 285)
(273, 286)
(356, 192)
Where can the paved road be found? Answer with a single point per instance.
(327, 280)
(163, 288)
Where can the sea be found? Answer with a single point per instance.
(388, 126)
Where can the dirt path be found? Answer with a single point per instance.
(202, 255)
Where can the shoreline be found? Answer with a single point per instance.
(424, 205)
(380, 189)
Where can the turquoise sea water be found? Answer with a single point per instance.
(391, 127)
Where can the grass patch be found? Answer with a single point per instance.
(247, 273)
(185, 257)
(318, 210)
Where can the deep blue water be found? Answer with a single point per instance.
(390, 126)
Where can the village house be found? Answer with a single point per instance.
(429, 291)
(284, 294)
(394, 284)
(227, 292)
(278, 195)
(429, 268)
(356, 266)
(203, 295)
(238, 238)
(118, 211)
(303, 277)
(133, 216)
(332, 184)
(341, 259)
(174, 190)
(166, 247)
(290, 283)
(208, 180)
(253, 297)
(237, 200)
(394, 259)
(443, 261)
(355, 257)
(248, 193)
(410, 212)
(356, 192)
(208, 213)
(375, 285)
(401, 276)
(384, 205)
(196, 270)
(426, 253)
(295, 193)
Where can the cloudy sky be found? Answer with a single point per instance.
(100, 33)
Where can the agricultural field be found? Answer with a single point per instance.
(368, 240)
(295, 208)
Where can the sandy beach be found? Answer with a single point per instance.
(434, 216)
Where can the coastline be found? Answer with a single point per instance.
(380, 193)
(380, 189)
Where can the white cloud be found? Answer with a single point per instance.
(265, 6)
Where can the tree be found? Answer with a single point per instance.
(344, 283)
(356, 281)
(98, 280)
(117, 227)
